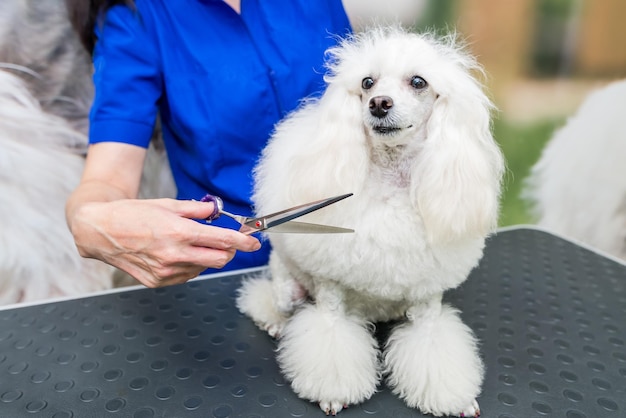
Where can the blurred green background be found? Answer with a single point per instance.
(542, 57)
(521, 145)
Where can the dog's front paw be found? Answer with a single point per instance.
(438, 372)
(329, 358)
(274, 329)
(255, 299)
(332, 407)
(471, 411)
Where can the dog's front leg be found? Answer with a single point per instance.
(270, 301)
(289, 292)
(432, 361)
(330, 356)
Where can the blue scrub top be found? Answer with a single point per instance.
(219, 80)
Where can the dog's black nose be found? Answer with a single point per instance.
(380, 105)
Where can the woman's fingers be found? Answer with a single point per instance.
(159, 277)
(207, 235)
(174, 266)
(223, 239)
(193, 209)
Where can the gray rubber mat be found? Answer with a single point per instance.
(551, 317)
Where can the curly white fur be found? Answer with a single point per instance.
(45, 93)
(40, 164)
(578, 186)
(425, 173)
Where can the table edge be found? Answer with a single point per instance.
(254, 270)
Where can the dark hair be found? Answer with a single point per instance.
(83, 15)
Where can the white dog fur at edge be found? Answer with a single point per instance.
(405, 127)
(578, 186)
(40, 164)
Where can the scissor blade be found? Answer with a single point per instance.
(294, 227)
(278, 218)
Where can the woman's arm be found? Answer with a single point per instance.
(156, 241)
(112, 171)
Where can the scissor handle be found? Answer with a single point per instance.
(218, 204)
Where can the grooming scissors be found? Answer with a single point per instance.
(280, 221)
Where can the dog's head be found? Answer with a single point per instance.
(400, 78)
(418, 96)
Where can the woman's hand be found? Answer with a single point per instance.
(156, 241)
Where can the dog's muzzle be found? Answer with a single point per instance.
(379, 107)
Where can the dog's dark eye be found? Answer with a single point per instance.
(367, 83)
(418, 83)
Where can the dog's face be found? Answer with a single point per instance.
(396, 106)
(399, 80)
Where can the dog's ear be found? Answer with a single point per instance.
(456, 180)
(321, 145)
(337, 150)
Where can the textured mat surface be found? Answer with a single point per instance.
(551, 317)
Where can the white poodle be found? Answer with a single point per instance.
(405, 127)
(578, 186)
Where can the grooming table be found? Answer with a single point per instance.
(550, 315)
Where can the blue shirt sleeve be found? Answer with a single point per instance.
(127, 79)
